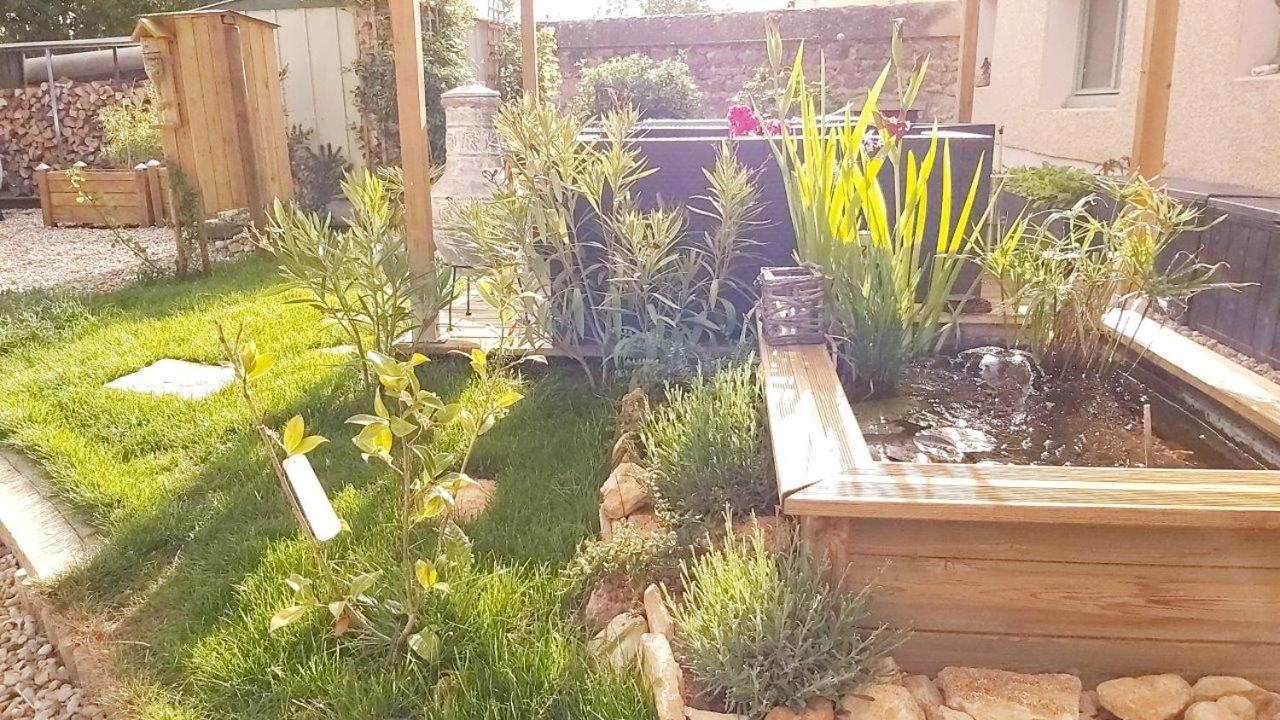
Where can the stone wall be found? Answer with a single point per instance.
(723, 49)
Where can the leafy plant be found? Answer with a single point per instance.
(37, 316)
(759, 629)
(708, 449)
(403, 433)
(582, 265)
(889, 282)
(446, 28)
(1049, 186)
(509, 56)
(317, 171)
(1064, 270)
(630, 555)
(131, 131)
(359, 278)
(656, 88)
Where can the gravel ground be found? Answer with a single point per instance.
(33, 682)
(80, 260)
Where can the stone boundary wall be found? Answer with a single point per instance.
(724, 49)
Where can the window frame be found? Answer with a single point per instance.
(1082, 39)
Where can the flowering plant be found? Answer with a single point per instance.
(744, 120)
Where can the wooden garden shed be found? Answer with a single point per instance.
(222, 109)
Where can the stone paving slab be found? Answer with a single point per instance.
(188, 380)
(45, 538)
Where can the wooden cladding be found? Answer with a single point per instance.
(218, 85)
(134, 198)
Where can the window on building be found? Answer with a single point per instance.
(1101, 36)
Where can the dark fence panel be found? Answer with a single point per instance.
(1249, 243)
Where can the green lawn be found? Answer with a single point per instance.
(199, 539)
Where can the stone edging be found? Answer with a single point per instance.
(47, 541)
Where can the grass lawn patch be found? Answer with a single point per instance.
(199, 541)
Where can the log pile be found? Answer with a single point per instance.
(26, 124)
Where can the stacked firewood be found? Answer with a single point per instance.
(26, 125)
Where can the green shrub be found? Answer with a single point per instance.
(317, 170)
(1050, 186)
(131, 132)
(708, 450)
(630, 555)
(510, 54)
(37, 316)
(657, 88)
(760, 629)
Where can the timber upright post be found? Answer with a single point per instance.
(529, 50)
(1155, 79)
(415, 154)
(968, 60)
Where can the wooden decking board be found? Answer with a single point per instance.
(812, 428)
(1252, 396)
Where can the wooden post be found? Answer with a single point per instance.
(968, 60)
(42, 188)
(1154, 81)
(415, 154)
(529, 49)
(249, 157)
(156, 182)
(146, 213)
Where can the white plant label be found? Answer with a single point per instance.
(315, 505)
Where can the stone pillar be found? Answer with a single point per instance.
(471, 143)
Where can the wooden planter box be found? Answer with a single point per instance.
(130, 198)
(1101, 572)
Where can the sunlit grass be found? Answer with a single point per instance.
(198, 539)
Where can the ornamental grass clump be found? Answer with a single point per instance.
(759, 629)
(707, 447)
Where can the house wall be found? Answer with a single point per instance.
(1221, 120)
(724, 49)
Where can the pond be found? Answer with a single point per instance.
(993, 405)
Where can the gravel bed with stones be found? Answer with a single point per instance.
(79, 260)
(34, 684)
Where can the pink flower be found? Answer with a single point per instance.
(773, 127)
(743, 121)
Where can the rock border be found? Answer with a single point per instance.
(46, 540)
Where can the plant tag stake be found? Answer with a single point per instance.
(311, 500)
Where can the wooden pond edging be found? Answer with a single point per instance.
(1101, 572)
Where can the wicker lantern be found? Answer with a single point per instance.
(793, 306)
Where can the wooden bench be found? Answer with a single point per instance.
(1098, 571)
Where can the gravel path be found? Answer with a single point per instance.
(33, 681)
(79, 260)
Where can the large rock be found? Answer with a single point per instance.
(1212, 710)
(618, 643)
(1212, 687)
(632, 409)
(1001, 695)
(624, 492)
(881, 702)
(471, 501)
(942, 712)
(1150, 697)
(1239, 706)
(923, 690)
(655, 609)
(662, 674)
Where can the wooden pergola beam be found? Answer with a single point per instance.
(1155, 79)
(968, 60)
(415, 158)
(529, 50)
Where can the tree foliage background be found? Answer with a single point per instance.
(31, 20)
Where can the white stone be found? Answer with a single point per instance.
(1001, 695)
(655, 610)
(624, 492)
(618, 643)
(881, 702)
(1150, 697)
(662, 674)
(188, 380)
(1212, 687)
(1208, 710)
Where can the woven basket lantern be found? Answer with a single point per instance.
(793, 306)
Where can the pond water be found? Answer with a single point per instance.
(992, 405)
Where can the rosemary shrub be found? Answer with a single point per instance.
(707, 447)
(759, 629)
